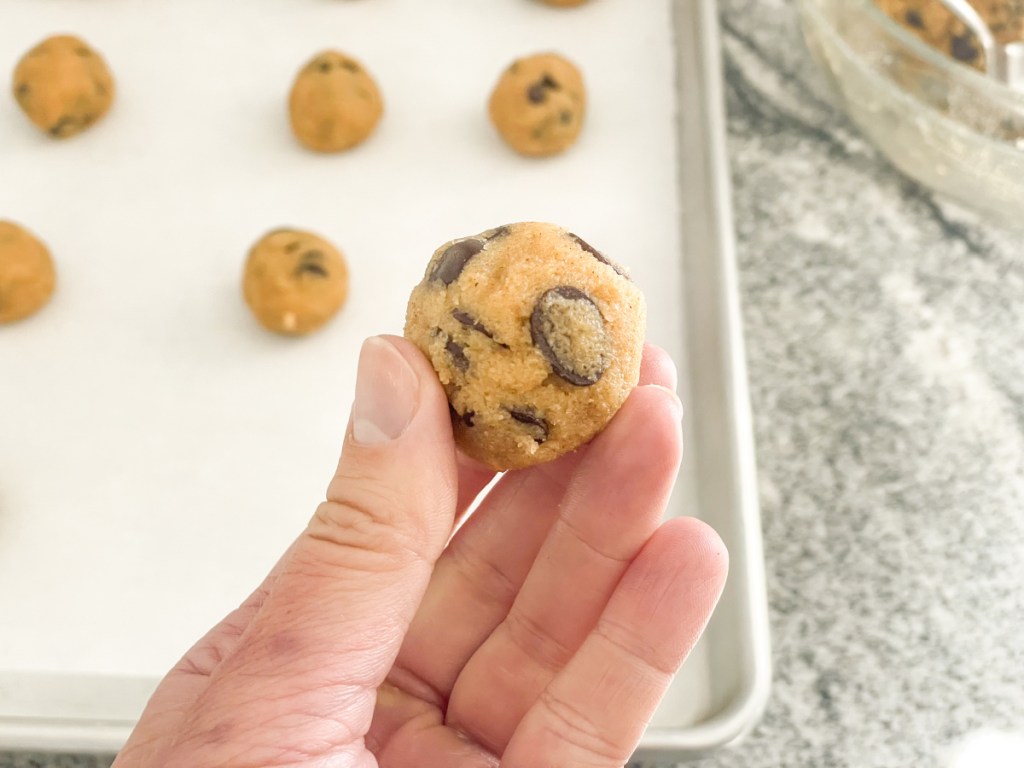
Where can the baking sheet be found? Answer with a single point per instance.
(159, 450)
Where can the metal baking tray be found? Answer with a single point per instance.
(124, 486)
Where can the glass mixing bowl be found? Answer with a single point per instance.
(939, 121)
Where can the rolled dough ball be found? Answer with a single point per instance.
(536, 338)
(27, 276)
(63, 85)
(335, 103)
(294, 281)
(538, 105)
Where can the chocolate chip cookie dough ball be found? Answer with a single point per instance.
(27, 276)
(936, 25)
(63, 86)
(535, 336)
(539, 104)
(294, 281)
(334, 104)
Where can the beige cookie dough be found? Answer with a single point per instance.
(27, 276)
(294, 281)
(63, 85)
(335, 103)
(539, 104)
(536, 337)
(936, 25)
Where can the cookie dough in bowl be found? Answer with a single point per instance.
(536, 337)
(27, 275)
(63, 86)
(294, 281)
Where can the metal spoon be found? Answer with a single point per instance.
(1003, 63)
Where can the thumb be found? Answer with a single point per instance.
(340, 602)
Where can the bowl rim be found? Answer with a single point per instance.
(976, 80)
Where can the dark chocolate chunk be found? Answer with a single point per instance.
(458, 355)
(63, 126)
(538, 92)
(471, 322)
(310, 264)
(597, 254)
(915, 19)
(324, 64)
(454, 260)
(537, 427)
(963, 48)
(544, 330)
(466, 418)
(497, 232)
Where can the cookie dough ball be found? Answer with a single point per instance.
(27, 276)
(936, 25)
(538, 105)
(334, 104)
(63, 86)
(294, 281)
(535, 336)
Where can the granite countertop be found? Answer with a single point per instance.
(886, 357)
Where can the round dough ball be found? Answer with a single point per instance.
(539, 104)
(535, 336)
(27, 276)
(294, 281)
(63, 85)
(334, 104)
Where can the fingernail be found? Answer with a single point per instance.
(387, 394)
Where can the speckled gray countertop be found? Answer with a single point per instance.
(886, 349)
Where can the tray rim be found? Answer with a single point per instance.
(696, 22)
(745, 708)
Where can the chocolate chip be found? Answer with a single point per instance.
(471, 322)
(597, 254)
(536, 426)
(350, 65)
(458, 355)
(497, 232)
(915, 19)
(22, 91)
(63, 127)
(538, 92)
(963, 49)
(324, 65)
(83, 51)
(310, 265)
(559, 317)
(454, 260)
(466, 418)
(565, 118)
(293, 246)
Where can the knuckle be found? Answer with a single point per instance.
(364, 530)
(574, 727)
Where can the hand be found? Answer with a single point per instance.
(544, 632)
